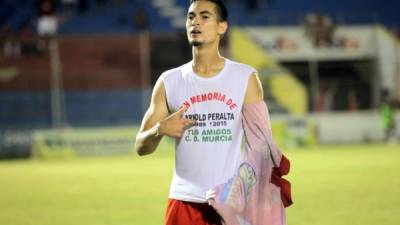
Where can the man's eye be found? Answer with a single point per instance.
(205, 17)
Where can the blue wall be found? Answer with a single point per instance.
(83, 108)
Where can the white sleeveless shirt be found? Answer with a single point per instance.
(207, 153)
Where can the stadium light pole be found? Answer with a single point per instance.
(57, 99)
(397, 73)
(314, 80)
(145, 64)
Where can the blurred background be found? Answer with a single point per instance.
(76, 75)
(326, 67)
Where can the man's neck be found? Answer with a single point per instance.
(207, 61)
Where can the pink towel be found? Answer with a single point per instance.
(257, 194)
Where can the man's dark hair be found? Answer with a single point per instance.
(221, 9)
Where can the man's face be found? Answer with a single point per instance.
(202, 24)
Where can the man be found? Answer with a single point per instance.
(200, 105)
(388, 119)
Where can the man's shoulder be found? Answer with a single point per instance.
(177, 71)
(242, 67)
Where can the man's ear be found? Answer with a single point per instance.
(222, 28)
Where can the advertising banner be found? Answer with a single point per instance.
(15, 143)
(83, 142)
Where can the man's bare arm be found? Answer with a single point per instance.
(156, 122)
(254, 91)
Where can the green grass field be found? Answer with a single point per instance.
(336, 185)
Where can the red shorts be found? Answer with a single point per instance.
(190, 213)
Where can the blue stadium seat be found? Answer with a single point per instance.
(118, 17)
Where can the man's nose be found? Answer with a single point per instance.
(195, 21)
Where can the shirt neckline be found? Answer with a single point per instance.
(214, 77)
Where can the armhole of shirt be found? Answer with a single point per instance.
(246, 83)
(166, 92)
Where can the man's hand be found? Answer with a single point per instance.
(156, 122)
(175, 125)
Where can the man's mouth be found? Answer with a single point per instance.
(195, 32)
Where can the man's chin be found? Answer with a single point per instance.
(195, 43)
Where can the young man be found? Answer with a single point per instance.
(388, 114)
(199, 104)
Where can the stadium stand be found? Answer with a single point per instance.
(115, 16)
(129, 17)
